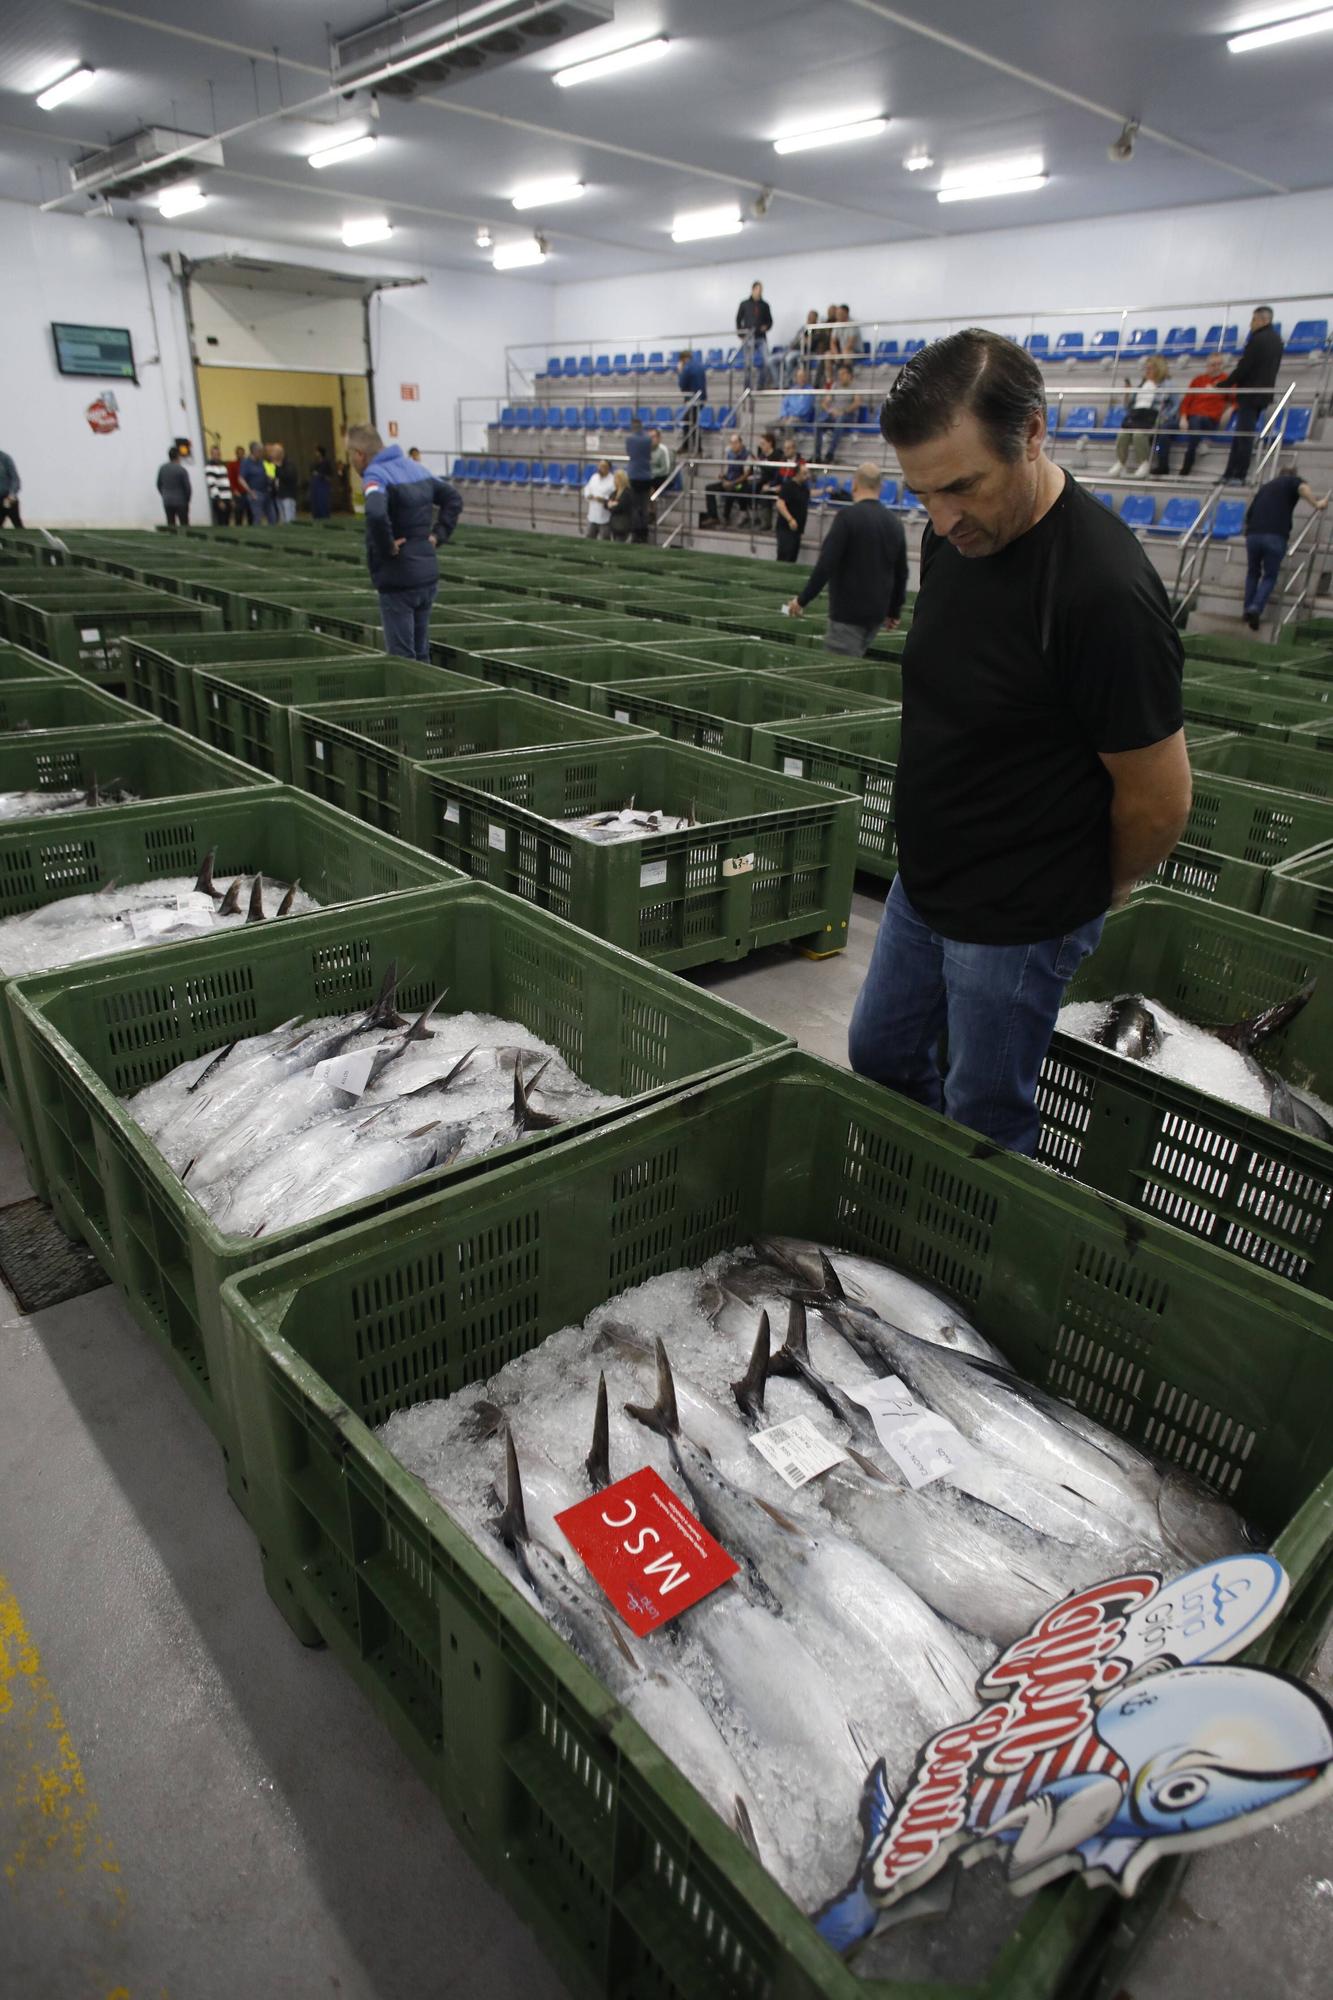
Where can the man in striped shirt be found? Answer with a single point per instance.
(217, 483)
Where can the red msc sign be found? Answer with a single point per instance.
(409, 392)
(646, 1550)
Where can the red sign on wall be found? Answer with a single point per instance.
(646, 1550)
(393, 428)
(410, 392)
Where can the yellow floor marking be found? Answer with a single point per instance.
(49, 1828)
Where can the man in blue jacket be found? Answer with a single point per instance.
(692, 382)
(409, 512)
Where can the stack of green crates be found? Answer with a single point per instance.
(162, 676)
(83, 625)
(244, 709)
(720, 711)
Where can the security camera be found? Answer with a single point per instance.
(760, 205)
(1122, 147)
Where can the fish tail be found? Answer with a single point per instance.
(598, 1462)
(1257, 1027)
(847, 1919)
(662, 1415)
(230, 906)
(514, 1519)
(285, 906)
(743, 1826)
(749, 1390)
(526, 1119)
(255, 913)
(203, 885)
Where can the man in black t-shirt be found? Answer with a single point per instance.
(1267, 532)
(864, 563)
(1043, 768)
(793, 508)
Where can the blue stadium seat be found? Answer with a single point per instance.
(1068, 347)
(555, 418)
(734, 357)
(886, 354)
(707, 417)
(490, 471)
(507, 418)
(713, 358)
(1106, 497)
(825, 488)
(1038, 345)
(537, 419)
(474, 468)
(618, 419)
(1110, 423)
(1296, 424)
(620, 364)
(522, 416)
(663, 415)
(460, 469)
(1308, 336)
(537, 476)
(1137, 510)
(1210, 344)
(908, 501)
(1231, 340)
(585, 364)
(1105, 343)
(656, 365)
(1177, 516)
(644, 413)
(888, 492)
(504, 472)
(1143, 340)
(638, 363)
(1081, 421)
(725, 415)
(911, 347)
(1052, 419)
(520, 472)
(554, 365)
(1229, 520)
(573, 473)
(1180, 341)
(602, 365)
(573, 417)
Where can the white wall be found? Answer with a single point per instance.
(448, 335)
(1267, 249)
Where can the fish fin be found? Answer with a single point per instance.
(867, 1465)
(1257, 1027)
(783, 1521)
(662, 1416)
(203, 883)
(622, 1642)
(485, 1419)
(419, 1030)
(442, 1082)
(217, 1061)
(793, 1357)
(525, 1117)
(513, 1522)
(598, 1462)
(230, 906)
(615, 1333)
(832, 1283)
(861, 1744)
(743, 1826)
(749, 1389)
(255, 913)
(383, 1010)
(91, 797)
(1058, 1820)
(285, 906)
(876, 1808)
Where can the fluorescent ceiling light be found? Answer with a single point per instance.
(541, 194)
(65, 87)
(1290, 30)
(181, 199)
(1019, 175)
(628, 58)
(513, 256)
(1023, 184)
(915, 162)
(706, 222)
(345, 149)
(366, 229)
(829, 135)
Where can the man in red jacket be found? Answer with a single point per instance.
(1201, 409)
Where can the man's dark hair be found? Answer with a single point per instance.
(173, 451)
(636, 423)
(1265, 309)
(974, 370)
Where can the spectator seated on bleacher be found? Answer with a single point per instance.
(1202, 409)
(797, 408)
(734, 488)
(839, 412)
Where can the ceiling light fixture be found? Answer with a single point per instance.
(1290, 30)
(830, 135)
(72, 84)
(180, 200)
(706, 222)
(541, 194)
(484, 238)
(627, 58)
(513, 256)
(1022, 175)
(344, 149)
(915, 163)
(366, 229)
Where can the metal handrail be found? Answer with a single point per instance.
(1193, 549)
(1271, 430)
(1305, 573)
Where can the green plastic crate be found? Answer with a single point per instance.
(569, 672)
(1242, 708)
(848, 753)
(457, 645)
(61, 700)
(770, 860)
(1315, 687)
(284, 608)
(152, 762)
(880, 679)
(243, 710)
(633, 1884)
(1215, 966)
(89, 1038)
(356, 754)
(1300, 891)
(721, 649)
(18, 664)
(1280, 767)
(719, 711)
(1311, 632)
(162, 677)
(266, 826)
(1237, 833)
(1259, 654)
(88, 634)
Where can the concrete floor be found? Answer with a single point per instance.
(194, 1807)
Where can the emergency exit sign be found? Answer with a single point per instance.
(410, 392)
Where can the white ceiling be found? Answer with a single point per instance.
(970, 80)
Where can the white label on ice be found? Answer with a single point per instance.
(793, 767)
(797, 1450)
(922, 1445)
(196, 899)
(89, 632)
(652, 874)
(349, 1073)
(451, 810)
(496, 836)
(621, 714)
(319, 753)
(151, 923)
(737, 864)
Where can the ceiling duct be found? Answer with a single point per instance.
(443, 42)
(146, 160)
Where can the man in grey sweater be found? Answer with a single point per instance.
(173, 483)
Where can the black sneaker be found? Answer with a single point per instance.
(1251, 619)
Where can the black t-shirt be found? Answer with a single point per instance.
(1273, 506)
(1019, 669)
(795, 497)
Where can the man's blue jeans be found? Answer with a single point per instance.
(1265, 553)
(405, 616)
(995, 1004)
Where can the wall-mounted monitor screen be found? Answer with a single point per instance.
(105, 353)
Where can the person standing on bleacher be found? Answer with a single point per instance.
(754, 323)
(1268, 521)
(1042, 771)
(1254, 374)
(693, 384)
(639, 464)
(409, 512)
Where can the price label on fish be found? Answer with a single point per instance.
(923, 1446)
(645, 1550)
(349, 1073)
(797, 1450)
